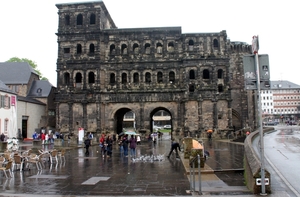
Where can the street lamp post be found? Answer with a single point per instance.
(255, 47)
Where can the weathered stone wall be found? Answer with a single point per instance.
(104, 72)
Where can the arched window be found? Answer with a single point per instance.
(147, 48)
(112, 78)
(205, 74)
(124, 78)
(172, 77)
(148, 77)
(112, 49)
(91, 77)
(124, 49)
(191, 45)
(220, 74)
(79, 19)
(171, 47)
(66, 79)
(67, 20)
(191, 88)
(159, 48)
(220, 88)
(78, 80)
(79, 49)
(93, 19)
(192, 74)
(92, 48)
(159, 77)
(136, 78)
(216, 43)
(135, 48)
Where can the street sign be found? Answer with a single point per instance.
(250, 73)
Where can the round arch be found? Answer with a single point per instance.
(118, 119)
(157, 109)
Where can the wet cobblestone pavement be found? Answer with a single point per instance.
(94, 175)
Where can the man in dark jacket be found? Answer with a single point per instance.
(175, 146)
(87, 143)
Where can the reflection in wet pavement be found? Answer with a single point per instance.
(226, 159)
(94, 175)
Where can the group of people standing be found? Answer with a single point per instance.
(132, 142)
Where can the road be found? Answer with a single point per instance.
(282, 148)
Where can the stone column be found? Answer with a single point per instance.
(70, 117)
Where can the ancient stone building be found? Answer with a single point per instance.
(104, 72)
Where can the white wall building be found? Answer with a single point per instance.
(8, 111)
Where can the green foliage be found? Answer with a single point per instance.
(30, 62)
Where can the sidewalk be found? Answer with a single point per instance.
(120, 176)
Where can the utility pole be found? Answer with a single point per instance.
(255, 47)
(257, 77)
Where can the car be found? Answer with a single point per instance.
(157, 127)
(167, 127)
(270, 123)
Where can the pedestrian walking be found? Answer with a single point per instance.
(109, 143)
(120, 143)
(132, 142)
(138, 139)
(125, 145)
(91, 136)
(87, 143)
(174, 146)
(46, 138)
(102, 145)
(43, 138)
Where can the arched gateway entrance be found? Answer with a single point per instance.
(125, 118)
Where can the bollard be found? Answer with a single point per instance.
(199, 174)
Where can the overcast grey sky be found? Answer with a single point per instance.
(28, 27)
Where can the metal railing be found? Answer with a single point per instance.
(192, 174)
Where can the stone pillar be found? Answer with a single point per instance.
(188, 145)
(70, 117)
(84, 108)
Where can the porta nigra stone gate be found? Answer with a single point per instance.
(104, 72)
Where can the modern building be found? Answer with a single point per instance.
(286, 96)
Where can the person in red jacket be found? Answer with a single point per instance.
(43, 138)
(102, 145)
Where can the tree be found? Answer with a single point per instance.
(30, 62)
